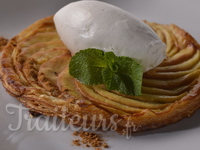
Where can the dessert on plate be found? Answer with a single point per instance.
(35, 68)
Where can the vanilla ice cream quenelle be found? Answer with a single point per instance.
(95, 24)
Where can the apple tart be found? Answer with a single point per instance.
(34, 69)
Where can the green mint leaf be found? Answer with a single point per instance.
(131, 74)
(86, 66)
(94, 66)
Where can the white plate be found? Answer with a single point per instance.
(17, 15)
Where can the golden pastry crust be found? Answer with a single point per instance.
(34, 69)
(3, 42)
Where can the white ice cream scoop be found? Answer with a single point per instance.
(95, 24)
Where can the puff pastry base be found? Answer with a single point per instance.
(34, 69)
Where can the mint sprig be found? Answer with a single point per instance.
(93, 66)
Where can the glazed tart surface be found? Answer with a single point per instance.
(34, 69)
